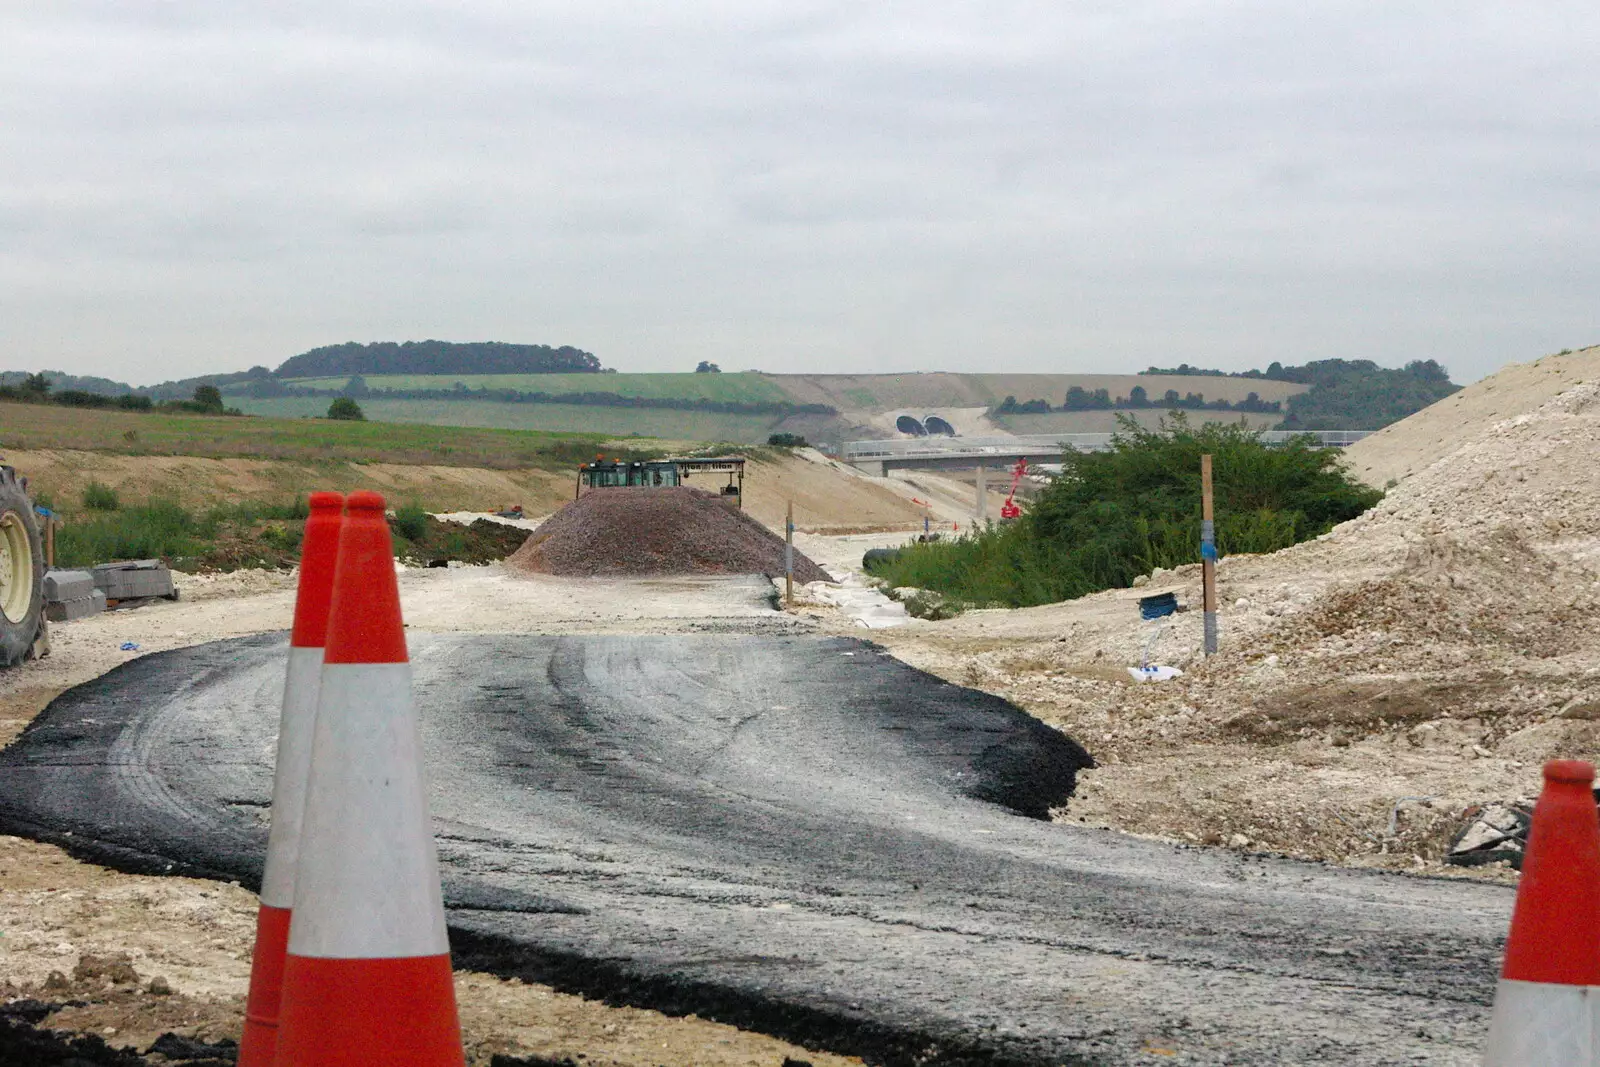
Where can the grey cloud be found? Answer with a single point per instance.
(903, 185)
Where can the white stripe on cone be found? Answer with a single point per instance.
(293, 767)
(1544, 1024)
(367, 885)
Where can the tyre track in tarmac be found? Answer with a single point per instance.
(798, 835)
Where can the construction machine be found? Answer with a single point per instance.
(664, 473)
(23, 630)
(1010, 511)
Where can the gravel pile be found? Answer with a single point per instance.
(643, 532)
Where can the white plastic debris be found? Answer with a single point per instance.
(1154, 673)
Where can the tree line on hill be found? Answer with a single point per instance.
(39, 389)
(438, 357)
(1081, 399)
(1346, 394)
(342, 360)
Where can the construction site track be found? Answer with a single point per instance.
(797, 835)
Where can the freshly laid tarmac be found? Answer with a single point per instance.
(796, 834)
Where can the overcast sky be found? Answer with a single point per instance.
(192, 186)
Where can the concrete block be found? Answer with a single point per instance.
(135, 580)
(62, 585)
(78, 608)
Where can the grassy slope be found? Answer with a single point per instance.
(613, 422)
(746, 388)
(863, 391)
(30, 426)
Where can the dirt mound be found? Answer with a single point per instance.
(1411, 445)
(1484, 566)
(644, 532)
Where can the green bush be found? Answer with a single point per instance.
(1111, 516)
(209, 397)
(224, 536)
(411, 522)
(98, 496)
(347, 409)
(786, 440)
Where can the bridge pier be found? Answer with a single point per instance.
(983, 492)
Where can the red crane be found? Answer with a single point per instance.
(1009, 509)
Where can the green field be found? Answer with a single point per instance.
(741, 388)
(42, 426)
(565, 419)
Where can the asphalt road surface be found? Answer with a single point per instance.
(799, 835)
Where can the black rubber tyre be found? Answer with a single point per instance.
(878, 557)
(21, 571)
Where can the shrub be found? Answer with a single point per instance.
(346, 408)
(209, 398)
(224, 537)
(1111, 516)
(98, 496)
(411, 522)
(787, 440)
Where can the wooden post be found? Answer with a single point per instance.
(1208, 557)
(788, 555)
(50, 542)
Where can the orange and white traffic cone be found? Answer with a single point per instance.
(1547, 1006)
(318, 550)
(367, 979)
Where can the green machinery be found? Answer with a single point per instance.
(661, 473)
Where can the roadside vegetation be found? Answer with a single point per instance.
(223, 537)
(1112, 516)
(251, 534)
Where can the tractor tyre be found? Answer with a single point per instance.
(21, 572)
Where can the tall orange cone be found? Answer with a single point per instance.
(317, 552)
(1547, 1006)
(367, 979)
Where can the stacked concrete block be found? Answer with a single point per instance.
(70, 595)
(135, 580)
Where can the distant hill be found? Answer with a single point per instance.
(438, 357)
(1345, 394)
